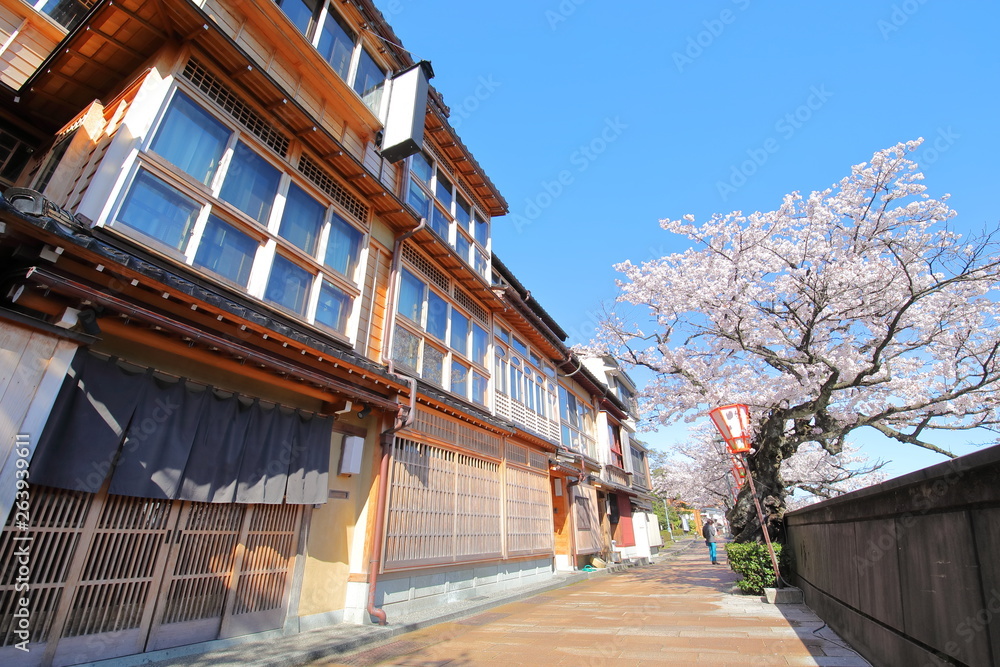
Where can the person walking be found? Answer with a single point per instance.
(711, 535)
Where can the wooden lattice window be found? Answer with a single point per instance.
(529, 512)
(444, 507)
(55, 526)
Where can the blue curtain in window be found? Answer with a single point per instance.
(191, 138)
(302, 219)
(344, 246)
(251, 183)
(336, 43)
(226, 251)
(159, 210)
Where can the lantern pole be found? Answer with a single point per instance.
(733, 422)
(763, 525)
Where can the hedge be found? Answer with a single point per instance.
(752, 562)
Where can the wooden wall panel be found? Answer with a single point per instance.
(529, 512)
(375, 294)
(26, 39)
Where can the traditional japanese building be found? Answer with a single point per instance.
(261, 369)
(626, 465)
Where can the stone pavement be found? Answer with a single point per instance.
(678, 611)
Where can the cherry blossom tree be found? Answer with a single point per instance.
(697, 472)
(854, 307)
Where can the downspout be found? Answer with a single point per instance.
(402, 421)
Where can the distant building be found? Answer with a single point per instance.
(262, 369)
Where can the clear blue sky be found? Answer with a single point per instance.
(597, 119)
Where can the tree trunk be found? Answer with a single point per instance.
(765, 467)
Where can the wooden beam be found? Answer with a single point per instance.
(116, 42)
(199, 355)
(138, 19)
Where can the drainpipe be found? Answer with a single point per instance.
(375, 562)
(402, 421)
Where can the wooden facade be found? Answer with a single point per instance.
(330, 287)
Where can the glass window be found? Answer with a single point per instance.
(433, 369)
(336, 43)
(368, 81)
(226, 250)
(439, 222)
(515, 378)
(444, 190)
(302, 219)
(519, 346)
(459, 379)
(480, 344)
(420, 167)
(437, 316)
(500, 373)
(411, 296)
(463, 212)
(418, 199)
(479, 387)
(406, 348)
(159, 210)
(344, 246)
(14, 154)
(459, 333)
(482, 264)
(502, 334)
(482, 230)
(300, 12)
(333, 307)
(288, 285)
(67, 13)
(462, 246)
(191, 138)
(251, 183)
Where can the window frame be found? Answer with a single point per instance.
(420, 328)
(522, 380)
(457, 233)
(266, 232)
(579, 421)
(313, 35)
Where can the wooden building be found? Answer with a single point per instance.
(261, 369)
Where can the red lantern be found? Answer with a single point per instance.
(733, 422)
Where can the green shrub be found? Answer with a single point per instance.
(752, 562)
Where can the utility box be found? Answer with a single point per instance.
(351, 451)
(404, 122)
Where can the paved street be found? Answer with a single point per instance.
(676, 612)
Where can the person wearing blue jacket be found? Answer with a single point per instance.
(711, 533)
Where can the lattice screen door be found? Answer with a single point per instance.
(113, 576)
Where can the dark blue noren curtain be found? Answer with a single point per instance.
(309, 469)
(169, 439)
(217, 453)
(158, 441)
(266, 455)
(80, 441)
